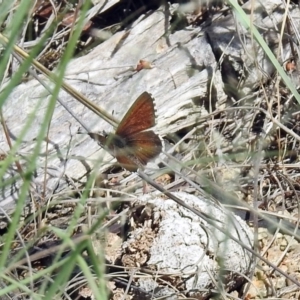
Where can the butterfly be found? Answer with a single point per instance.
(133, 145)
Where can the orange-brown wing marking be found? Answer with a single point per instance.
(139, 117)
(126, 163)
(144, 146)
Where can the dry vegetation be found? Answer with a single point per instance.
(230, 122)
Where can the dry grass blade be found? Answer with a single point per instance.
(231, 129)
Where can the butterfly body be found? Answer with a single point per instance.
(115, 141)
(133, 144)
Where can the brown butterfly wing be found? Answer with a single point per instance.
(122, 155)
(126, 163)
(139, 117)
(140, 149)
(144, 146)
